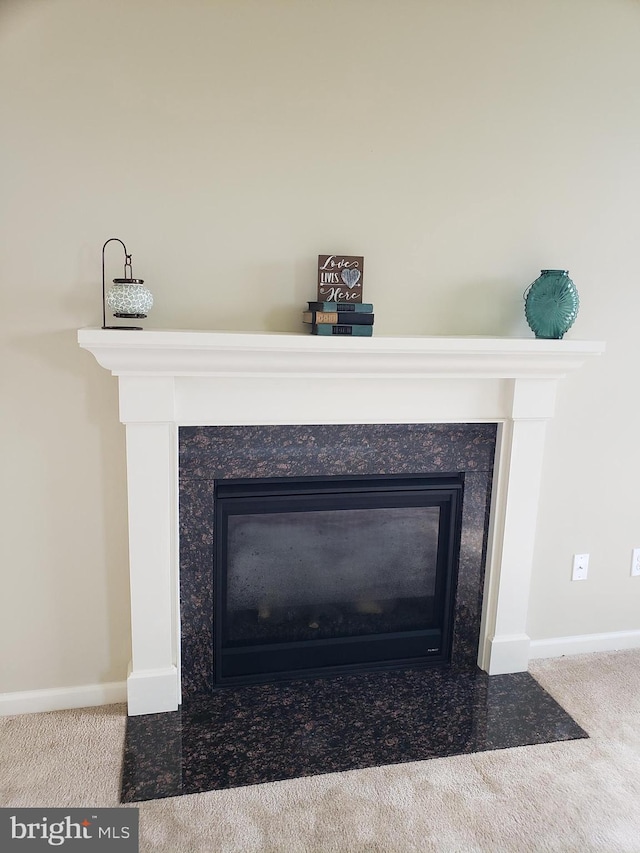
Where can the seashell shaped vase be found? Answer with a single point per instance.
(551, 304)
(129, 298)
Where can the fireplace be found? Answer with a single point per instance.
(174, 382)
(332, 574)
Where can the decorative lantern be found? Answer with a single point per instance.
(128, 298)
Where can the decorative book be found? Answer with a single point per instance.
(358, 307)
(350, 318)
(342, 330)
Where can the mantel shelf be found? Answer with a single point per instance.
(203, 353)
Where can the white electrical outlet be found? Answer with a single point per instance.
(635, 563)
(580, 567)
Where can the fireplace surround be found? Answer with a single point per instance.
(172, 379)
(210, 457)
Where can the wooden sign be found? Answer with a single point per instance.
(340, 278)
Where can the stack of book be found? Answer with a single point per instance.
(340, 318)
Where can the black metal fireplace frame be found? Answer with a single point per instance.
(281, 661)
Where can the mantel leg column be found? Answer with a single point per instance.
(519, 479)
(152, 684)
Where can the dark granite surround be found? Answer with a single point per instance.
(210, 453)
(283, 730)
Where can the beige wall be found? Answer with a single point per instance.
(459, 145)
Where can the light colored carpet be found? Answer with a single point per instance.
(581, 796)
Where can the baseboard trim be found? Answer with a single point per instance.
(584, 644)
(62, 698)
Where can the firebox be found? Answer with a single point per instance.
(317, 575)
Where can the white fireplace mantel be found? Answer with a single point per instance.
(173, 378)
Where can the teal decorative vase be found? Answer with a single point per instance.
(551, 304)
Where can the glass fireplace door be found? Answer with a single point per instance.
(323, 574)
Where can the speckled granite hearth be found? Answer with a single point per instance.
(268, 732)
(259, 733)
